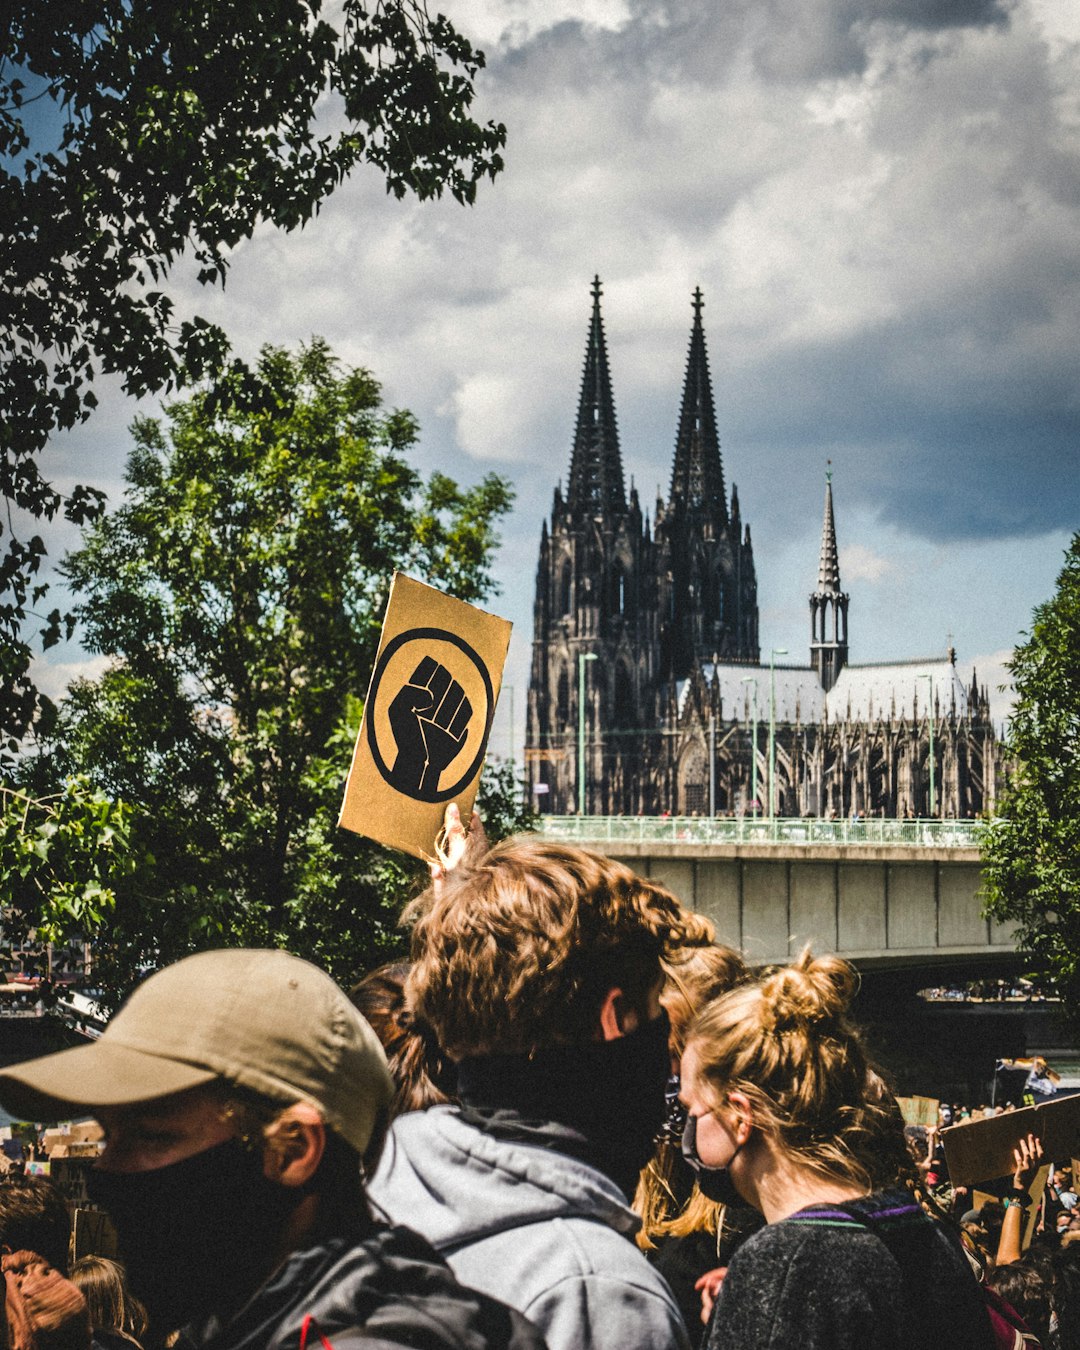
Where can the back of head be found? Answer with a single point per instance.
(34, 1218)
(422, 1074)
(108, 1300)
(786, 1042)
(517, 952)
(694, 976)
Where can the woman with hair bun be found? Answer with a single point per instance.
(786, 1113)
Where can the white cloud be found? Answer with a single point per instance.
(859, 563)
(886, 225)
(54, 677)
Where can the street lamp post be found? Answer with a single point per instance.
(712, 765)
(583, 657)
(752, 680)
(930, 715)
(774, 652)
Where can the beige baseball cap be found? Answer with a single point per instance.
(262, 1020)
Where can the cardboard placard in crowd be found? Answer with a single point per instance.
(93, 1234)
(921, 1111)
(427, 717)
(69, 1177)
(1035, 1191)
(982, 1150)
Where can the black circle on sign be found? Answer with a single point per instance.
(395, 645)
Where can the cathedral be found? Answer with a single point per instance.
(648, 693)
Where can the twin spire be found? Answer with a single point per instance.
(596, 475)
(697, 477)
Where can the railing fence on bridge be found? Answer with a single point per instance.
(761, 830)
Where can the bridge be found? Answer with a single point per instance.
(887, 895)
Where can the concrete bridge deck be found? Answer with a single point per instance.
(883, 894)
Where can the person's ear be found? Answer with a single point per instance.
(742, 1116)
(617, 1017)
(294, 1146)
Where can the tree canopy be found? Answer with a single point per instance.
(238, 591)
(1031, 850)
(133, 132)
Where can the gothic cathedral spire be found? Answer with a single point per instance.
(707, 586)
(596, 476)
(828, 604)
(697, 476)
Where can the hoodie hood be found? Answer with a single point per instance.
(458, 1184)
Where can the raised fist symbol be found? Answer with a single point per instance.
(429, 717)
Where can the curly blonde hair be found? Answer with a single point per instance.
(517, 952)
(692, 976)
(787, 1043)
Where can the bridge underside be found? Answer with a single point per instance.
(882, 909)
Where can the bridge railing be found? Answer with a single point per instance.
(748, 830)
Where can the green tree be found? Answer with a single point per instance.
(1031, 850)
(135, 132)
(239, 591)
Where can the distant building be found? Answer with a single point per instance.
(657, 621)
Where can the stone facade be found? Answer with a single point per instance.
(651, 627)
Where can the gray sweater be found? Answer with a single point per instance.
(539, 1230)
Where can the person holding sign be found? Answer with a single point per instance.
(537, 966)
(787, 1115)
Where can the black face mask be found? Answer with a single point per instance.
(195, 1236)
(714, 1183)
(611, 1092)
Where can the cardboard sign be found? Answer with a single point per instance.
(919, 1111)
(427, 717)
(981, 1150)
(93, 1234)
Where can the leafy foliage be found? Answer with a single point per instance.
(1031, 851)
(135, 131)
(61, 858)
(240, 590)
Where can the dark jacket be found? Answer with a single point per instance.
(870, 1273)
(389, 1288)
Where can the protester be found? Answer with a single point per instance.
(34, 1217)
(423, 1076)
(239, 1092)
(117, 1318)
(785, 1107)
(537, 967)
(687, 1236)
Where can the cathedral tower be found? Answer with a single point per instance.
(828, 604)
(595, 598)
(708, 590)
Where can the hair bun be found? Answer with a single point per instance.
(811, 991)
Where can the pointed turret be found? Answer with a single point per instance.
(596, 476)
(697, 477)
(828, 577)
(828, 604)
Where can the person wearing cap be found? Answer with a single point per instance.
(241, 1095)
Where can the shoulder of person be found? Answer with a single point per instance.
(604, 1311)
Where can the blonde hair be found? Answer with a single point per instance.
(111, 1304)
(517, 952)
(786, 1042)
(692, 976)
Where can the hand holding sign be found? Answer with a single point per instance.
(429, 718)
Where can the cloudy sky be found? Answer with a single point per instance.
(881, 202)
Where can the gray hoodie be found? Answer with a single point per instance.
(543, 1232)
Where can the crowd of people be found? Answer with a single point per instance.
(572, 1119)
